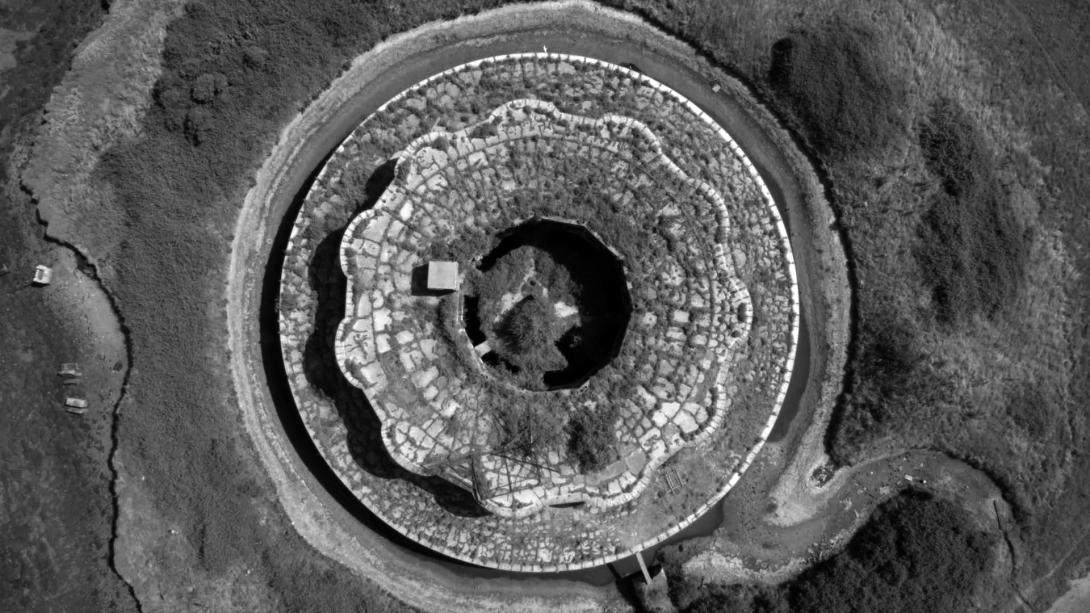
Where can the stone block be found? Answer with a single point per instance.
(442, 276)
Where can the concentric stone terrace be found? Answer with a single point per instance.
(433, 407)
(416, 364)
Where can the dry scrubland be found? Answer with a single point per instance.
(951, 139)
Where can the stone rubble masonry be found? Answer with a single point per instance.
(757, 302)
(427, 174)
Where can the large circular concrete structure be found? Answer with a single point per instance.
(399, 398)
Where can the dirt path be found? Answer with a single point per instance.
(56, 505)
(417, 579)
(772, 546)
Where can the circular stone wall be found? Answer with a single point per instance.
(548, 307)
(709, 348)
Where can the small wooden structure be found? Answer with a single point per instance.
(75, 403)
(442, 276)
(43, 275)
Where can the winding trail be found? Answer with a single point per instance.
(99, 102)
(810, 519)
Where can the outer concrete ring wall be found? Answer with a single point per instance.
(419, 581)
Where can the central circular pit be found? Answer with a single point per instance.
(548, 306)
(538, 312)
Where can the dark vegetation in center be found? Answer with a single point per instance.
(535, 267)
(545, 264)
(931, 199)
(592, 437)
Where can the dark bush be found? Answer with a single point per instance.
(207, 86)
(483, 131)
(972, 250)
(592, 437)
(837, 84)
(526, 325)
(953, 149)
(255, 56)
(915, 554)
(739, 598)
(890, 381)
(528, 336)
(198, 125)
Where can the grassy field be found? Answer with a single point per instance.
(953, 141)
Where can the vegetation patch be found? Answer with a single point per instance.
(845, 101)
(592, 437)
(894, 378)
(958, 341)
(518, 302)
(915, 553)
(552, 303)
(972, 250)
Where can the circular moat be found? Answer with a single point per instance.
(568, 319)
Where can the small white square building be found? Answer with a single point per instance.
(442, 276)
(43, 275)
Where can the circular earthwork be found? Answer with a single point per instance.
(701, 370)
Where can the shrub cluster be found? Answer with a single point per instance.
(592, 437)
(916, 553)
(891, 379)
(972, 250)
(844, 100)
(525, 431)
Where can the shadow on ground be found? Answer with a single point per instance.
(364, 428)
